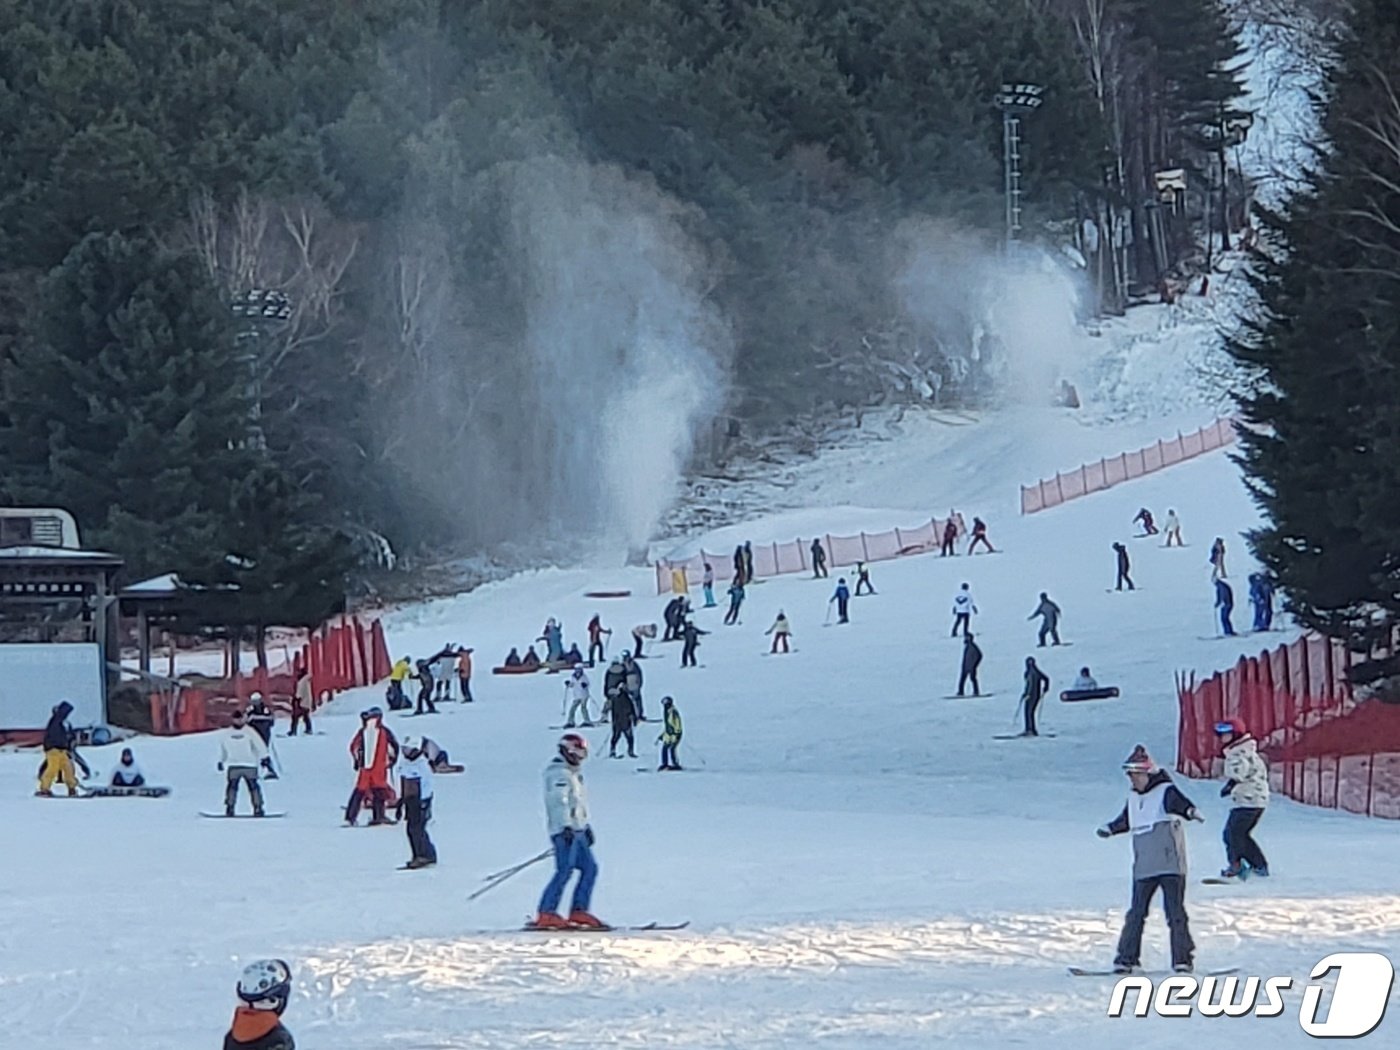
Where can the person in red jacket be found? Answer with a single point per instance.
(374, 752)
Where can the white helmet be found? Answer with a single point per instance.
(255, 698)
(266, 985)
(412, 742)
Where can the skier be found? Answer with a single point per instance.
(736, 599)
(401, 672)
(640, 632)
(264, 988)
(971, 659)
(1173, 530)
(425, 686)
(576, 698)
(1261, 596)
(739, 565)
(1145, 517)
(127, 774)
(707, 583)
(373, 752)
(58, 752)
(748, 562)
(781, 631)
(950, 536)
(566, 813)
(633, 684)
(614, 681)
(1123, 567)
(670, 737)
(261, 719)
(963, 609)
(1247, 788)
(1037, 684)
(1049, 614)
(1217, 559)
(464, 673)
(818, 560)
(979, 535)
(241, 753)
(303, 701)
(842, 598)
(1225, 602)
(623, 716)
(596, 630)
(863, 578)
(1159, 859)
(672, 617)
(416, 797)
(690, 634)
(1085, 682)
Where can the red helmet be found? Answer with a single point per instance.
(573, 747)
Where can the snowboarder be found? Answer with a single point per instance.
(672, 615)
(576, 698)
(1152, 814)
(464, 673)
(863, 579)
(1225, 602)
(979, 535)
(1144, 516)
(127, 774)
(416, 798)
(260, 718)
(373, 752)
(401, 672)
(633, 685)
(425, 685)
(1261, 597)
(707, 583)
(1084, 682)
(623, 716)
(640, 632)
(1173, 530)
(1037, 685)
(963, 609)
(842, 598)
(1123, 566)
(670, 737)
(1049, 614)
(971, 659)
(264, 988)
(1247, 788)
(241, 754)
(58, 752)
(748, 562)
(303, 700)
(566, 813)
(1217, 559)
(781, 631)
(818, 560)
(950, 537)
(596, 630)
(736, 599)
(690, 635)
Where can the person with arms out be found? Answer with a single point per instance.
(842, 598)
(264, 989)
(971, 660)
(781, 632)
(818, 560)
(670, 735)
(241, 754)
(963, 609)
(416, 797)
(1049, 614)
(1153, 815)
(979, 535)
(690, 635)
(571, 835)
(58, 752)
(576, 698)
(1247, 788)
(1037, 684)
(1123, 566)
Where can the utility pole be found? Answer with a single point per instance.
(261, 308)
(1014, 100)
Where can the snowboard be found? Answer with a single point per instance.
(1076, 971)
(1216, 880)
(794, 649)
(127, 792)
(241, 816)
(581, 725)
(969, 696)
(421, 867)
(1070, 696)
(1023, 736)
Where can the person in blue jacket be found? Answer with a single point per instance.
(842, 598)
(1225, 602)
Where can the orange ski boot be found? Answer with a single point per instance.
(582, 920)
(548, 920)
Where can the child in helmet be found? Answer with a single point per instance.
(264, 988)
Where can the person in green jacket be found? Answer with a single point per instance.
(670, 736)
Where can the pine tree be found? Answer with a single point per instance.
(1323, 453)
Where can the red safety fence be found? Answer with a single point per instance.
(1095, 477)
(1324, 747)
(776, 559)
(343, 655)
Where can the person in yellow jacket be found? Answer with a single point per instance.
(399, 674)
(671, 735)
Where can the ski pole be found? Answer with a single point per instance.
(492, 881)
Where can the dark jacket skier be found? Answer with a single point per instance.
(615, 678)
(971, 660)
(818, 559)
(1123, 567)
(58, 751)
(1036, 685)
(1225, 602)
(623, 717)
(1261, 596)
(672, 615)
(1049, 613)
(748, 562)
(690, 635)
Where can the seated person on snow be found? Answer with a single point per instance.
(573, 657)
(1084, 682)
(513, 659)
(127, 774)
(532, 658)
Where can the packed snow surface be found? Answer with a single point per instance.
(862, 864)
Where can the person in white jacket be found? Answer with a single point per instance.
(781, 632)
(963, 609)
(241, 752)
(416, 793)
(566, 813)
(1247, 788)
(576, 697)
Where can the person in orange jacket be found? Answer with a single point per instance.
(464, 674)
(374, 752)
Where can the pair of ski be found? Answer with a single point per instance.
(1076, 971)
(649, 927)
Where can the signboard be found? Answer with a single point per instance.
(35, 677)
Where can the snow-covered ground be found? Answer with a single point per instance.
(862, 864)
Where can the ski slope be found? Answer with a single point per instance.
(862, 864)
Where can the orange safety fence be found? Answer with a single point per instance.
(343, 655)
(776, 559)
(1095, 477)
(1324, 747)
